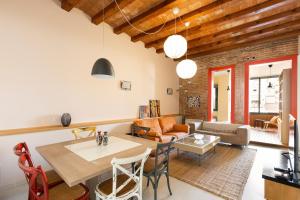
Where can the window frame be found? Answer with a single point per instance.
(259, 94)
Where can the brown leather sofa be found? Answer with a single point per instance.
(160, 129)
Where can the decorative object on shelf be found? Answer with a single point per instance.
(228, 88)
(144, 112)
(99, 138)
(193, 101)
(169, 91)
(66, 119)
(154, 108)
(126, 85)
(105, 138)
(270, 84)
(102, 68)
(175, 45)
(186, 68)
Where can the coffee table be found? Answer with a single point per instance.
(197, 143)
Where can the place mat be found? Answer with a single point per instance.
(91, 151)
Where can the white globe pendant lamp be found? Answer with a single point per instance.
(175, 45)
(186, 69)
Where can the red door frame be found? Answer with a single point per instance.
(293, 58)
(210, 71)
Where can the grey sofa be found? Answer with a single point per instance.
(237, 134)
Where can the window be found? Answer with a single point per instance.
(262, 98)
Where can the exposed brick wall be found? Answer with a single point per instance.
(198, 85)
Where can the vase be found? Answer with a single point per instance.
(66, 119)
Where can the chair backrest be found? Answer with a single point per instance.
(163, 150)
(136, 175)
(78, 131)
(274, 119)
(21, 148)
(36, 179)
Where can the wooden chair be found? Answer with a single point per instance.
(53, 177)
(273, 121)
(78, 131)
(126, 185)
(158, 165)
(39, 188)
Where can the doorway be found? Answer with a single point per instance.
(221, 93)
(271, 99)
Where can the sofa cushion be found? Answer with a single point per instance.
(178, 135)
(167, 123)
(220, 127)
(152, 123)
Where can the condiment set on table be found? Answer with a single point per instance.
(102, 138)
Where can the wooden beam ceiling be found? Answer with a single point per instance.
(68, 5)
(110, 10)
(216, 25)
(273, 37)
(165, 6)
(222, 21)
(187, 17)
(255, 26)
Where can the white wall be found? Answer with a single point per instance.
(46, 56)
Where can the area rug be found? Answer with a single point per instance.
(223, 173)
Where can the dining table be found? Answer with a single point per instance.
(83, 161)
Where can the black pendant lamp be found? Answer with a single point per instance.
(270, 84)
(103, 68)
(228, 88)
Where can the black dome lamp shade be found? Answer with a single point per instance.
(103, 69)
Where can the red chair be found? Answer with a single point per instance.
(39, 188)
(53, 177)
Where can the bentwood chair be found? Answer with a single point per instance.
(53, 177)
(39, 188)
(126, 185)
(77, 132)
(158, 165)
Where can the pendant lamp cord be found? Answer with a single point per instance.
(103, 26)
(187, 42)
(137, 29)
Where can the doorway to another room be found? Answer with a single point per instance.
(221, 94)
(270, 100)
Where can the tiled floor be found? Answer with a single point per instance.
(183, 191)
(270, 136)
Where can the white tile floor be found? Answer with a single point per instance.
(183, 191)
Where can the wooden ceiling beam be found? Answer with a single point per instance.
(254, 28)
(253, 41)
(252, 9)
(284, 26)
(110, 10)
(68, 5)
(186, 17)
(161, 8)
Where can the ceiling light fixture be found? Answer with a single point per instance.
(186, 68)
(228, 88)
(102, 68)
(270, 84)
(175, 45)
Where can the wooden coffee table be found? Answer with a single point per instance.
(197, 143)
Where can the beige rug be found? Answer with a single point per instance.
(223, 173)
